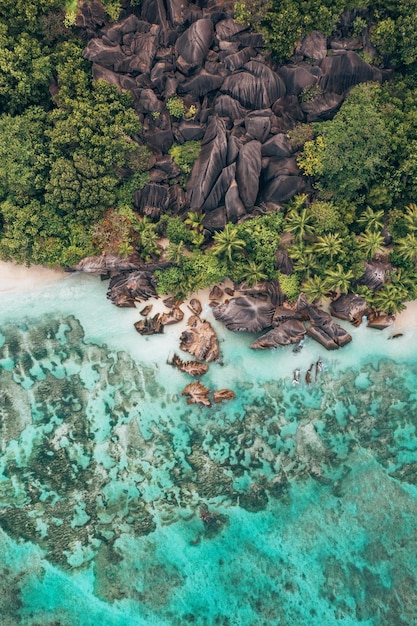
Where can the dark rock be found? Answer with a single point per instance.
(132, 286)
(235, 209)
(200, 340)
(167, 166)
(226, 106)
(325, 330)
(380, 322)
(245, 313)
(247, 172)
(290, 331)
(143, 47)
(258, 124)
(173, 317)
(342, 70)
(201, 84)
(375, 274)
(193, 368)
(277, 146)
(322, 108)
(176, 11)
(266, 291)
(299, 77)
(161, 140)
(216, 220)
(146, 310)
(350, 307)
(152, 200)
(313, 46)
(216, 293)
(128, 25)
(283, 262)
(256, 87)
(283, 188)
(252, 40)
(285, 313)
(105, 263)
(227, 29)
(191, 131)
(98, 52)
(178, 201)
(279, 167)
(209, 164)
(220, 395)
(219, 189)
(122, 82)
(197, 394)
(193, 45)
(149, 101)
(150, 326)
(234, 62)
(195, 306)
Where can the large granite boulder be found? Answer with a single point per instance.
(350, 307)
(127, 287)
(375, 274)
(343, 69)
(104, 264)
(245, 314)
(200, 340)
(193, 45)
(324, 330)
(247, 172)
(209, 164)
(290, 331)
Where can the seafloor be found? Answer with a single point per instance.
(122, 505)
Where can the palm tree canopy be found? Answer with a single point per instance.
(390, 299)
(372, 220)
(338, 279)
(300, 223)
(330, 244)
(407, 247)
(227, 242)
(315, 288)
(370, 242)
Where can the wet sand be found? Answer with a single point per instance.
(20, 278)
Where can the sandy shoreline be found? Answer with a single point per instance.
(15, 278)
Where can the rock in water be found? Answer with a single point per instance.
(291, 331)
(350, 307)
(194, 368)
(223, 394)
(200, 340)
(324, 330)
(150, 325)
(198, 394)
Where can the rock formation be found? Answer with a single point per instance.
(194, 368)
(324, 330)
(128, 287)
(234, 97)
(197, 394)
(288, 332)
(223, 394)
(350, 307)
(150, 325)
(200, 340)
(245, 313)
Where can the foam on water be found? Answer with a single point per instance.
(120, 504)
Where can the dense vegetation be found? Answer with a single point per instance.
(71, 157)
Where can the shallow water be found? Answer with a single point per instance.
(123, 505)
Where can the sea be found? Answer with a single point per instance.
(122, 505)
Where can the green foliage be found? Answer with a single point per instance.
(315, 288)
(194, 272)
(176, 107)
(389, 299)
(227, 243)
(352, 147)
(184, 155)
(329, 218)
(261, 235)
(290, 285)
(176, 230)
(116, 232)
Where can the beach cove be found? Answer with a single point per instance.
(121, 504)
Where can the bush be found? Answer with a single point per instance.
(290, 286)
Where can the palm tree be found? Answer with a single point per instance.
(315, 288)
(390, 299)
(305, 261)
(195, 220)
(370, 242)
(372, 220)
(410, 217)
(175, 252)
(338, 279)
(148, 239)
(407, 247)
(299, 224)
(227, 242)
(253, 274)
(329, 245)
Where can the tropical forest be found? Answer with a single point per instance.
(259, 140)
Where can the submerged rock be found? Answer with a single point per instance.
(197, 394)
(194, 368)
(150, 325)
(200, 340)
(223, 394)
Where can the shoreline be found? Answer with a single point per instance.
(16, 278)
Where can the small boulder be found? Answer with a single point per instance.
(290, 331)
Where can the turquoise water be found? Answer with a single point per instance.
(123, 505)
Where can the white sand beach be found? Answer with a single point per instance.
(21, 278)
(407, 319)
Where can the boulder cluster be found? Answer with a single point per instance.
(232, 97)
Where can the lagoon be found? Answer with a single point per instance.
(123, 505)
